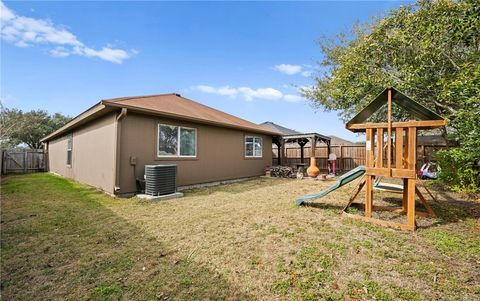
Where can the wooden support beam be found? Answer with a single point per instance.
(399, 147)
(425, 203)
(380, 222)
(424, 124)
(390, 209)
(369, 148)
(411, 202)
(301, 153)
(341, 163)
(428, 190)
(405, 196)
(412, 148)
(403, 173)
(369, 196)
(375, 171)
(281, 154)
(379, 147)
(313, 145)
(353, 197)
(389, 130)
(405, 149)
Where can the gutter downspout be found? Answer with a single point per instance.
(118, 135)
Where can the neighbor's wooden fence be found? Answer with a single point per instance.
(24, 161)
(348, 156)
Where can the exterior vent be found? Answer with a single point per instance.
(160, 179)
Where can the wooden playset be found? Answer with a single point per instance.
(391, 149)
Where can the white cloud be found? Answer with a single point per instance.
(248, 93)
(288, 69)
(292, 98)
(59, 52)
(224, 91)
(304, 70)
(261, 93)
(307, 73)
(25, 32)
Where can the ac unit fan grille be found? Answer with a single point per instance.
(160, 179)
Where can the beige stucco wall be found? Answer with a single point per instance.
(93, 156)
(220, 153)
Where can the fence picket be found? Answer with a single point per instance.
(348, 156)
(16, 161)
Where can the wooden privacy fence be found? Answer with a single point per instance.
(24, 161)
(348, 156)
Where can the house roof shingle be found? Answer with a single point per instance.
(169, 105)
(279, 128)
(177, 106)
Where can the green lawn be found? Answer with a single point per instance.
(61, 240)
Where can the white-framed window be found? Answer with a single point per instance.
(69, 149)
(253, 147)
(176, 141)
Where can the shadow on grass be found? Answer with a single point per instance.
(239, 187)
(448, 210)
(451, 209)
(58, 241)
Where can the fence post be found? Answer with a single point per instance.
(45, 160)
(25, 161)
(340, 162)
(4, 165)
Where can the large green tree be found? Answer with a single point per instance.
(431, 51)
(18, 127)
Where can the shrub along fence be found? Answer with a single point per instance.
(24, 161)
(348, 156)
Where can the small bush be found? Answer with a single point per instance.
(459, 172)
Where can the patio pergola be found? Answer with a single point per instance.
(301, 140)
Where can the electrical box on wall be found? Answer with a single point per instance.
(133, 160)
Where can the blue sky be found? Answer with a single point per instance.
(245, 58)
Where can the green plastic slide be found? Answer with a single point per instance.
(345, 179)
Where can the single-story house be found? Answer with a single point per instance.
(108, 145)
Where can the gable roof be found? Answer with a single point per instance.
(334, 140)
(279, 128)
(168, 105)
(414, 108)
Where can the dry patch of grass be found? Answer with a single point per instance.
(240, 241)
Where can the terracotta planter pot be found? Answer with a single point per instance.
(312, 170)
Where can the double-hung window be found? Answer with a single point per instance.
(176, 141)
(253, 147)
(69, 149)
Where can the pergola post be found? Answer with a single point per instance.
(302, 140)
(279, 159)
(279, 142)
(302, 143)
(328, 153)
(313, 144)
(282, 152)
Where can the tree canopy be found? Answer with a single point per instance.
(430, 50)
(18, 127)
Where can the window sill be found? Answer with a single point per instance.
(176, 159)
(253, 158)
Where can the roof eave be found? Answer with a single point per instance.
(407, 103)
(75, 121)
(193, 119)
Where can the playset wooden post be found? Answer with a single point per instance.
(402, 165)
